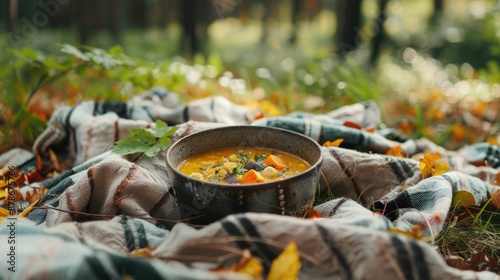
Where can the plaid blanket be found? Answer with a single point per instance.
(103, 207)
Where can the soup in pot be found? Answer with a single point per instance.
(243, 166)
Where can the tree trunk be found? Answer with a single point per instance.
(162, 12)
(379, 35)
(13, 11)
(86, 19)
(188, 20)
(117, 18)
(296, 9)
(438, 10)
(139, 9)
(349, 26)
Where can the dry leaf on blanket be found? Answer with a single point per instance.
(14, 195)
(335, 143)
(313, 214)
(144, 252)
(463, 198)
(28, 209)
(396, 151)
(359, 127)
(4, 213)
(287, 265)
(415, 233)
(55, 161)
(493, 140)
(495, 199)
(36, 195)
(248, 265)
(432, 165)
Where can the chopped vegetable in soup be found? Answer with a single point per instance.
(243, 166)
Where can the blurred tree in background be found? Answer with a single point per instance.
(456, 31)
(342, 51)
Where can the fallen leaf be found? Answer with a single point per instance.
(440, 167)
(415, 233)
(352, 125)
(479, 109)
(144, 252)
(287, 265)
(4, 171)
(479, 261)
(458, 132)
(36, 195)
(55, 160)
(497, 179)
(370, 129)
(335, 143)
(430, 166)
(313, 214)
(17, 196)
(269, 109)
(4, 213)
(395, 151)
(457, 262)
(39, 161)
(494, 141)
(248, 265)
(495, 199)
(28, 209)
(463, 198)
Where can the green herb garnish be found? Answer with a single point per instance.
(146, 141)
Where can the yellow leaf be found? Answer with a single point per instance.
(396, 151)
(3, 213)
(458, 132)
(463, 198)
(440, 168)
(144, 252)
(494, 141)
(248, 265)
(28, 209)
(335, 143)
(425, 168)
(287, 265)
(415, 233)
(430, 166)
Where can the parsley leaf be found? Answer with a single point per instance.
(240, 170)
(146, 141)
(258, 158)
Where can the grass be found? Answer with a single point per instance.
(471, 238)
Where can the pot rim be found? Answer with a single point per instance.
(240, 187)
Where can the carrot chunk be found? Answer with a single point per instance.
(275, 161)
(252, 176)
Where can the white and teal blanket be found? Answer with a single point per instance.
(103, 207)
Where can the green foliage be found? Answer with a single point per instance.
(89, 73)
(471, 230)
(146, 141)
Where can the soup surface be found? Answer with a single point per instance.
(243, 166)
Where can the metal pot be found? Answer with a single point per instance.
(203, 202)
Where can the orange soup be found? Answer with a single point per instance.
(243, 166)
